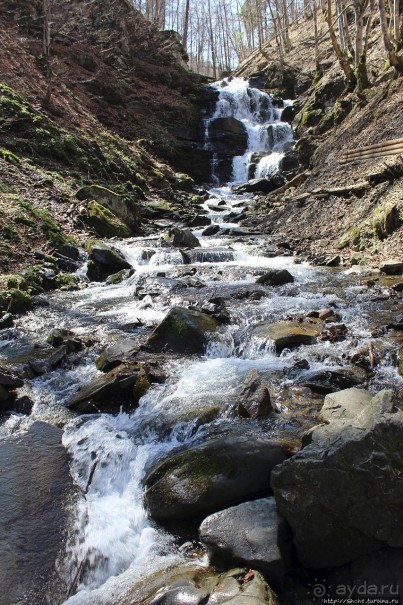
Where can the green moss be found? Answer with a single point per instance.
(67, 281)
(15, 300)
(9, 157)
(386, 219)
(104, 222)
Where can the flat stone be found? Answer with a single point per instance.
(285, 334)
(275, 277)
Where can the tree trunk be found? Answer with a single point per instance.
(392, 56)
(341, 56)
(186, 24)
(47, 41)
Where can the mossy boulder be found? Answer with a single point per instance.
(286, 334)
(124, 207)
(104, 222)
(183, 182)
(183, 331)
(15, 300)
(386, 219)
(218, 473)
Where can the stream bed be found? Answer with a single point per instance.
(111, 541)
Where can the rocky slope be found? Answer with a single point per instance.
(325, 212)
(115, 80)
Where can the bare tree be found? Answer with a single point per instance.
(47, 7)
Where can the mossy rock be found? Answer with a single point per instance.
(9, 157)
(311, 118)
(351, 238)
(184, 182)
(124, 207)
(15, 300)
(211, 476)
(104, 222)
(183, 331)
(386, 219)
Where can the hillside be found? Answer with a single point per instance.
(329, 121)
(123, 106)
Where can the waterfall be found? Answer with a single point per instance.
(267, 135)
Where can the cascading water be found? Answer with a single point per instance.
(267, 135)
(113, 542)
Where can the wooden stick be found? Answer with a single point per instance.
(369, 156)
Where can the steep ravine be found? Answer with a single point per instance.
(187, 416)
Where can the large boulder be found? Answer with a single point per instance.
(183, 331)
(250, 534)
(183, 238)
(192, 584)
(125, 207)
(342, 495)
(284, 334)
(103, 261)
(214, 475)
(34, 486)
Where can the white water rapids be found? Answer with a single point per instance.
(112, 541)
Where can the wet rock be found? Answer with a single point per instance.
(122, 386)
(9, 381)
(116, 353)
(342, 494)
(47, 360)
(183, 331)
(34, 486)
(325, 314)
(211, 230)
(391, 267)
(23, 405)
(192, 584)
(288, 114)
(254, 400)
(251, 534)
(211, 476)
(61, 336)
(199, 221)
(119, 277)
(275, 277)
(183, 238)
(260, 185)
(105, 261)
(228, 136)
(330, 380)
(6, 321)
(284, 334)
(397, 288)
